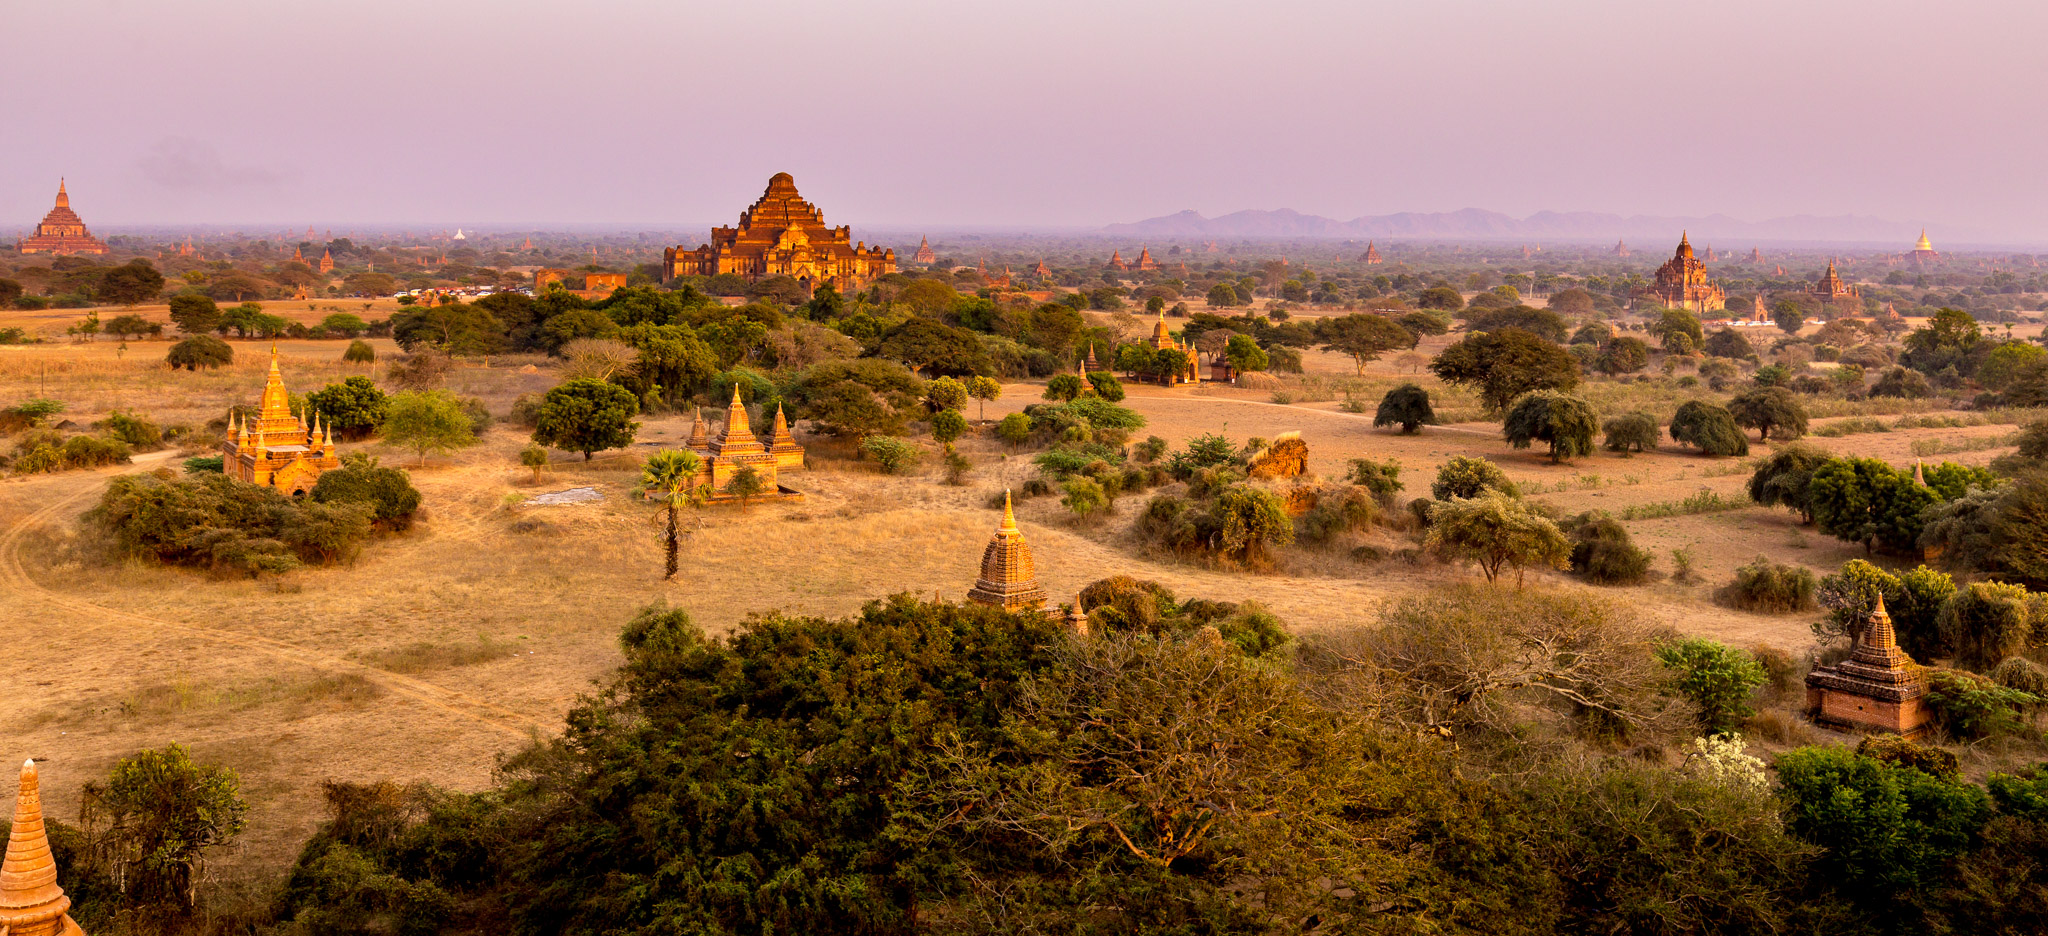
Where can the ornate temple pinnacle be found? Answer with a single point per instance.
(1009, 514)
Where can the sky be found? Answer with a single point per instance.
(1053, 114)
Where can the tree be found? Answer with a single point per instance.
(1984, 623)
(452, 329)
(1866, 500)
(344, 324)
(1505, 364)
(1728, 343)
(984, 389)
(1467, 476)
(1945, 341)
(1014, 430)
(155, 818)
(1495, 530)
(535, 457)
(130, 284)
(1064, 387)
(1771, 411)
(1676, 324)
(1631, 432)
(1622, 355)
(1406, 406)
(200, 351)
(1716, 678)
(1223, 294)
(355, 408)
(427, 421)
(923, 345)
(1245, 354)
(892, 455)
(124, 326)
(1564, 421)
(1593, 333)
(1542, 323)
(1106, 386)
(1440, 297)
(1783, 479)
(1882, 829)
(359, 352)
(944, 394)
(587, 416)
(1363, 336)
(386, 492)
(1708, 427)
(1902, 383)
(948, 425)
(1789, 316)
(596, 358)
(1252, 520)
(670, 476)
(2021, 530)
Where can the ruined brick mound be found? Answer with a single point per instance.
(1287, 457)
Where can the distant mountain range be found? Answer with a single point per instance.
(1477, 224)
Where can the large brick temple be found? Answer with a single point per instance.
(62, 231)
(783, 235)
(1682, 282)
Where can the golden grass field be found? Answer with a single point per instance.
(442, 648)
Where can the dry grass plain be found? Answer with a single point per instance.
(440, 649)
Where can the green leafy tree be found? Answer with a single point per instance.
(1789, 317)
(344, 324)
(1106, 386)
(1728, 343)
(1783, 478)
(535, 457)
(354, 408)
(1253, 520)
(1985, 623)
(1064, 387)
(944, 394)
(670, 477)
(587, 416)
(1495, 530)
(948, 425)
(1631, 432)
(746, 484)
(1564, 421)
(359, 352)
(154, 820)
(892, 455)
(1406, 406)
(1675, 324)
(1716, 678)
(1622, 355)
(1708, 427)
(2021, 530)
(452, 329)
(200, 351)
(1882, 829)
(1771, 411)
(131, 283)
(1014, 430)
(1245, 354)
(1503, 365)
(386, 492)
(1363, 337)
(1866, 500)
(1223, 294)
(1902, 383)
(1468, 476)
(1440, 297)
(123, 327)
(984, 389)
(428, 421)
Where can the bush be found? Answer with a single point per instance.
(892, 455)
(387, 492)
(216, 522)
(1716, 678)
(1709, 428)
(1902, 383)
(1381, 479)
(91, 452)
(1015, 429)
(1603, 554)
(2022, 674)
(1771, 587)
(138, 433)
(1968, 706)
(359, 352)
(354, 408)
(1633, 432)
(1149, 451)
(1984, 623)
(1106, 386)
(1064, 387)
(1467, 476)
(948, 425)
(200, 351)
(206, 463)
(1084, 497)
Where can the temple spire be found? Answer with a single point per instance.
(1009, 578)
(1009, 524)
(64, 199)
(31, 903)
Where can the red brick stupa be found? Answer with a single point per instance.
(1878, 688)
(62, 231)
(924, 252)
(1009, 579)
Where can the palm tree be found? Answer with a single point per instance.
(670, 478)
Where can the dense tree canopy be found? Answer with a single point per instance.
(1505, 364)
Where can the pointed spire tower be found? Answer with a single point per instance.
(737, 438)
(1009, 579)
(782, 444)
(1878, 688)
(700, 432)
(31, 903)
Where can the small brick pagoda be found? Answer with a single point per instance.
(62, 232)
(783, 235)
(1116, 261)
(1878, 688)
(1682, 282)
(1372, 255)
(31, 903)
(1163, 340)
(277, 448)
(924, 252)
(1831, 290)
(736, 447)
(1009, 579)
(1145, 261)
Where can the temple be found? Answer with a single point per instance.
(1116, 261)
(276, 448)
(62, 231)
(1145, 261)
(31, 903)
(1372, 255)
(1162, 340)
(736, 447)
(1042, 271)
(783, 235)
(924, 252)
(1682, 282)
(1009, 579)
(1621, 249)
(1878, 688)
(327, 260)
(1832, 291)
(1923, 251)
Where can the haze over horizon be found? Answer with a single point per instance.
(1062, 115)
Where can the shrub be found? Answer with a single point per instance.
(1202, 452)
(1149, 451)
(1902, 383)
(1716, 678)
(200, 351)
(1881, 828)
(1984, 623)
(1064, 387)
(138, 433)
(206, 463)
(1771, 587)
(354, 408)
(1468, 476)
(1603, 554)
(1633, 432)
(1969, 706)
(1084, 497)
(214, 521)
(1015, 429)
(948, 425)
(1381, 479)
(892, 455)
(1106, 386)
(1709, 428)
(2022, 674)
(359, 352)
(388, 492)
(91, 452)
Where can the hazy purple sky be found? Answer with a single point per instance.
(904, 114)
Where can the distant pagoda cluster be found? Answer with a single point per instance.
(1143, 263)
(783, 235)
(276, 448)
(62, 232)
(736, 447)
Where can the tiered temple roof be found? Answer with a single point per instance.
(1877, 688)
(62, 231)
(31, 903)
(1042, 271)
(735, 447)
(783, 235)
(327, 260)
(924, 252)
(1116, 261)
(1009, 578)
(1145, 261)
(1621, 248)
(1372, 254)
(276, 447)
(1682, 282)
(1833, 289)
